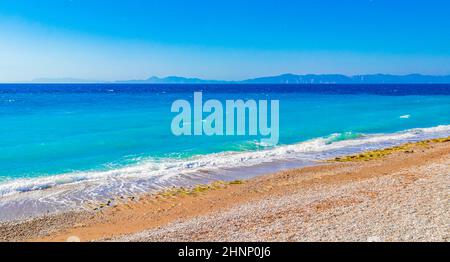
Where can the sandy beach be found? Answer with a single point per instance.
(399, 194)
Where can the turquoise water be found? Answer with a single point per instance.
(54, 130)
(61, 130)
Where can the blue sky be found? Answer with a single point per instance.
(232, 39)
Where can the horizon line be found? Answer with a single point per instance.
(197, 80)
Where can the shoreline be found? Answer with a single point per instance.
(309, 196)
(82, 191)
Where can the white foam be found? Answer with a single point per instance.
(168, 168)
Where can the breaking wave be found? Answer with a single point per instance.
(164, 169)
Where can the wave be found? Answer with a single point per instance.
(343, 136)
(168, 168)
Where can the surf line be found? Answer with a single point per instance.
(237, 117)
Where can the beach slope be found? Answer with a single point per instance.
(399, 194)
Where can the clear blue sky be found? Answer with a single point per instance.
(227, 39)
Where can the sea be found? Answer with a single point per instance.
(63, 146)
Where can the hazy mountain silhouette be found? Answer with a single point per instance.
(307, 79)
(172, 80)
(279, 79)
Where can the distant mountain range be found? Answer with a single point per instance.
(281, 79)
(172, 80)
(357, 79)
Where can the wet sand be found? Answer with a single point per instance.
(395, 195)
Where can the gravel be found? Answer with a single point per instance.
(410, 205)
